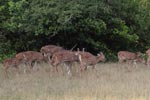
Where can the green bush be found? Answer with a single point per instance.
(104, 25)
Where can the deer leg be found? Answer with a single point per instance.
(69, 65)
(95, 70)
(128, 64)
(17, 68)
(49, 59)
(56, 68)
(35, 65)
(6, 70)
(30, 65)
(148, 61)
(93, 67)
(120, 60)
(135, 63)
(68, 70)
(62, 68)
(81, 63)
(27, 67)
(82, 66)
(24, 69)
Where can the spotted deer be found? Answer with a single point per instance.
(64, 56)
(11, 62)
(130, 57)
(49, 50)
(86, 59)
(127, 56)
(29, 57)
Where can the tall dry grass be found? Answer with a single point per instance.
(110, 81)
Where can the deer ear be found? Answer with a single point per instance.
(101, 53)
(45, 55)
(98, 54)
(83, 49)
(78, 49)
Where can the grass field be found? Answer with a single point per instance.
(111, 81)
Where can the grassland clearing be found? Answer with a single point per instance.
(111, 81)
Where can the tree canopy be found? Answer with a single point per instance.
(96, 25)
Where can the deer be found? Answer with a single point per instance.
(49, 50)
(11, 62)
(64, 56)
(86, 59)
(130, 57)
(127, 56)
(29, 57)
(148, 57)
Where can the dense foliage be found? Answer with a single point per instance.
(97, 25)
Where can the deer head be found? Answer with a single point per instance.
(101, 57)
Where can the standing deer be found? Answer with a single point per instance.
(87, 58)
(64, 56)
(130, 57)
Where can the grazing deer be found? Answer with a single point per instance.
(49, 50)
(30, 57)
(87, 58)
(33, 56)
(128, 56)
(64, 56)
(11, 62)
(148, 57)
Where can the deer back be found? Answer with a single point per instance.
(126, 55)
(11, 62)
(50, 49)
(64, 56)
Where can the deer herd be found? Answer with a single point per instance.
(56, 55)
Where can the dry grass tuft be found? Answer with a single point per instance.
(110, 81)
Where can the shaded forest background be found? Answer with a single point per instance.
(96, 25)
